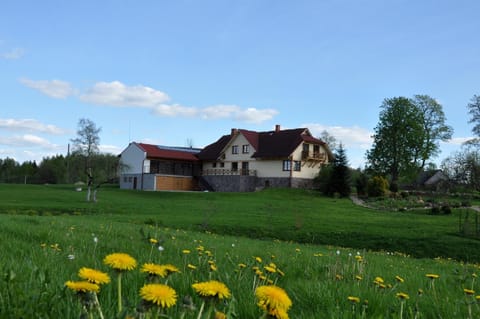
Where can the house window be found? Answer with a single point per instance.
(222, 164)
(214, 164)
(235, 166)
(287, 165)
(245, 149)
(234, 149)
(297, 166)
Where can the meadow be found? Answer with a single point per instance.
(332, 258)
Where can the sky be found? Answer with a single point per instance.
(184, 73)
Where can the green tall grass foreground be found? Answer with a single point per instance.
(38, 254)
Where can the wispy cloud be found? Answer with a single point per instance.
(54, 88)
(350, 136)
(457, 140)
(117, 94)
(13, 54)
(30, 125)
(26, 140)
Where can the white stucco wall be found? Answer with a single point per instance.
(132, 158)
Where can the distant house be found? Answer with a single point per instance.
(154, 167)
(241, 161)
(431, 179)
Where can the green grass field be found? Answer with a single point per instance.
(49, 232)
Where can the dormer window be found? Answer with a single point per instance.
(234, 149)
(245, 149)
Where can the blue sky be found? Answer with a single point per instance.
(170, 72)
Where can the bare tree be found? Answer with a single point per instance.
(86, 144)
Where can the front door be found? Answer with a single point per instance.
(244, 168)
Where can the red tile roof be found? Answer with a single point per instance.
(157, 152)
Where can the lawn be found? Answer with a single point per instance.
(49, 233)
(284, 214)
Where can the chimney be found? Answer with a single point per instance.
(277, 128)
(234, 131)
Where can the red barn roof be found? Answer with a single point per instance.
(159, 152)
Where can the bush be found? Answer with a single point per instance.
(377, 186)
(446, 210)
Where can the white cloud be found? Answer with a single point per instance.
(353, 136)
(253, 115)
(111, 149)
(26, 140)
(118, 94)
(30, 125)
(174, 110)
(13, 54)
(457, 140)
(54, 88)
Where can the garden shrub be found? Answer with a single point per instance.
(377, 186)
(446, 210)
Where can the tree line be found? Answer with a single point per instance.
(59, 169)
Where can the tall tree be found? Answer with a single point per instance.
(397, 138)
(340, 177)
(474, 111)
(86, 144)
(434, 128)
(329, 139)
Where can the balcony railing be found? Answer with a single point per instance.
(222, 171)
(314, 156)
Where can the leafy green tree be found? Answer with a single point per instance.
(407, 136)
(474, 112)
(434, 128)
(396, 140)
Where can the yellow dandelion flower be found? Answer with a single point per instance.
(353, 299)
(82, 286)
(378, 280)
(338, 277)
(212, 288)
(358, 258)
(153, 241)
(200, 248)
(258, 259)
(420, 291)
(208, 253)
(274, 300)
(318, 255)
(281, 273)
(477, 297)
(161, 295)
(297, 250)
(170, 269)
(278, 314)
(270, 281)
(242, 266)
(120, 261)
(186, 251)
(432, 276)
(213, 267)
(358, 277)
(220, 315)
(270, 269)
(469, 291)
(93, 276)
(399, 279)
(192, 267)
(382, 286)
(262, 277)
(154, 269)
(402, 295)
(43, 245)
